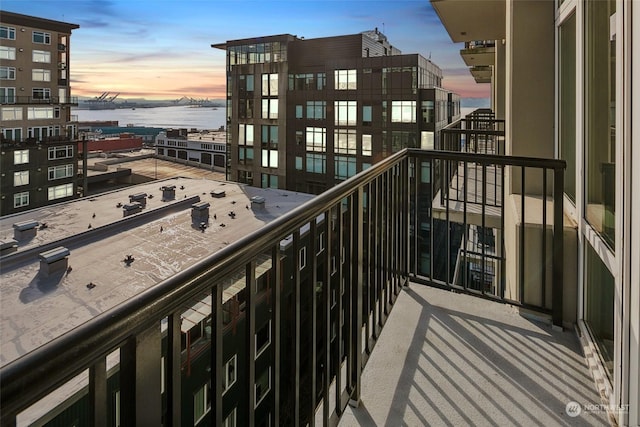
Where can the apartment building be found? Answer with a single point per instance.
(38, 158)
(305, 114)
(561, 78)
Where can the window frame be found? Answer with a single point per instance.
(20, 197)
(20, 157)
(46, 37)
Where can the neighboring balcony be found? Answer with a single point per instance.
(53, 100)
(482, 73)
(479, 53)
(302, 304)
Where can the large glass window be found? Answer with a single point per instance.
(39, 75)
(366, 145)
(7, 52)
(316, 139)
(230, 373)
(62, 152)
(345, 167)
(8, 33)
(269, 136)
(201, 403)
(270, 85)
(316, 163)
(41, 38)
(599, 309)
(34, 113)
(316, 109)
(7, 95)
(600, 118)
(20, 178)
(245, 134)
(346, 113)
(263, 385)
(41, 93)
(403, 111)
(269, 158)
(41, 56)
(428, 112)
(7, 73)
(20, 157)
(345, 79)
(60, 191)
(567, 110)
(11, 113)
(60, 171)
(21, 199)
(345, 141)
(270, 108)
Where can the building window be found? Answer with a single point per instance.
(345, 141)
(599, 295)
(428, 112)
(403, 111)
(269, 181)
(600, 119)
(345, 167)
(302, 257)
(269, 158)
(7, 73)
(345, 79)
(299, 163)
(11, 113)
(567, 103)
(269, 137)
(245, 177)
(270, 85)
(316, 139)
(201, 403)
(20, 178)
(269, 108)
(60, 171)
(230, 420)
(60, 191)
(20, 157)
(345, 113)
(35, 113)
(7, 52)
(316, 110)
(321, 81)
(40, 75)
(230, 373)
(263, 338)
(41, 38)
(41, 56)
(12, 134)
(42, 93)
(367, 114)
(8, 33)
(299, 112)
(62, 152)
(366, 145)
(245, 155)
(245, 134)
(317, 163)
(21, 199)
(263, 385)
(7, 95)
(427, 140)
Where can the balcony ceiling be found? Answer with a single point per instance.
(468, 20)
(479, 56)
(482, 74)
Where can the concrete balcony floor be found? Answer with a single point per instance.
(452, 359)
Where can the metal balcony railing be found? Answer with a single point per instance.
(52, 100)
(295, 308)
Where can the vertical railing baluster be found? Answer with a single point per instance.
(296, 356)
(276, 328)
(98, 392)
(484, 225)
(522, 233)
(326, 292)
(558, 246)
(544, 264)
(174, 373)
(217, 371)
(311, 250)
(250, 340)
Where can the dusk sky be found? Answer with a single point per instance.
(161, 49)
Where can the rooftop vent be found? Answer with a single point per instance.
(25, 230)
(218, 194)
(200, 212)
(8, 246)
(168, 192)
(131, 208)
(140, 198)
(257, 202)
(54, 260)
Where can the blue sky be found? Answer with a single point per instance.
(162, 48)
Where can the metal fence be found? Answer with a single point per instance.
(295, 308)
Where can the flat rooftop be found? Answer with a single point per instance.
(162, 239)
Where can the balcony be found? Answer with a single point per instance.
(28, 100)
(467, 20)
(303, 304)
(481, 73)
(479, 53)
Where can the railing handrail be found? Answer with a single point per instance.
(38, 370)
(32, 376)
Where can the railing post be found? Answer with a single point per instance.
(98, 393)
(140, 398)
(558, 246)
(356, 336)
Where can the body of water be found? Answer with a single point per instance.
(164, 117)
